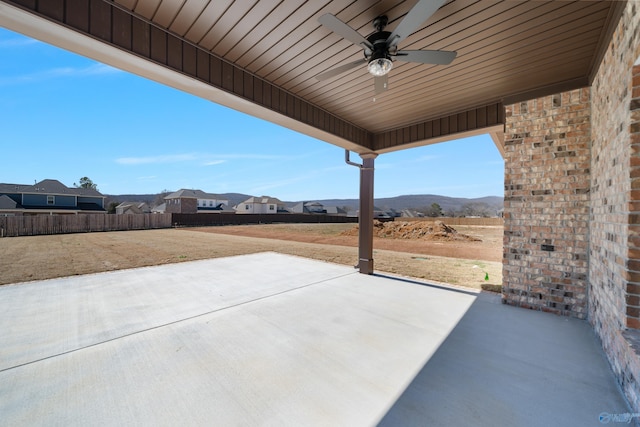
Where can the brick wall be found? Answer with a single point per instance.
(614, 265)
(189, 206)
(610, 187)
(572, 204)
(185, 206)
(172, 206)
(546, 213)
(632, 298)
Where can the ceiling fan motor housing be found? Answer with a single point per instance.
(379, 42)
(379, 59)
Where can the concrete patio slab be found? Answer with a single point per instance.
(269, 339)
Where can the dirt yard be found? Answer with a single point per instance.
(464, 262)
(484, 242)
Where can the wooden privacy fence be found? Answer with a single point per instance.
(458, 220)
(203, 220)
(13, 226)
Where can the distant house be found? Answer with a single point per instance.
(9, 207)
(261, 205)
(380, 214)
(194, 201)
(308, 207)
(316, 208)
(335, 210)
(383, 213)
(393, 213)
(132, 208)
(49, 197)
(161, 208)
(409, 213)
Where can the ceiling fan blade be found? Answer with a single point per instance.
(340, 69)
(439, 57)
(381, 83)
(343, 30)
(412, 20)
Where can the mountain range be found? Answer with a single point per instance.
(421, 201)
(398, 203)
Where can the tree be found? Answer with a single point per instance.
(435, 210)
(85, 182)
(477, 209)
(111, 209)
(160, 197)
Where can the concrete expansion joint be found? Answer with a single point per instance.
(152, 328)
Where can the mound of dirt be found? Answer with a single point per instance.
(425, 230)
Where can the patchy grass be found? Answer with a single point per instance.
(492, 288)
(42, 257)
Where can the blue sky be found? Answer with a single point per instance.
(64, 116)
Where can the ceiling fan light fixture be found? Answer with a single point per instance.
(381, 46)
(380, 66)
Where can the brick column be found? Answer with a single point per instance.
(546, 213)
(614, 254)
(632, 277)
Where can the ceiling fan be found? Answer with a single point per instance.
(381, 46)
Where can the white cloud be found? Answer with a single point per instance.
(261, 156)
(383, 164)
(170, 158)
(250, 156)
(99, 69)
(17, 42)
(91, 70)
(175, 158)
(62, 72)
(260, 189)
(310, 175)
(427, 158)
(216, 159)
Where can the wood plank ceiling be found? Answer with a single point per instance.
(507, 51)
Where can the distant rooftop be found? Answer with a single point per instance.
(192, 194)
(264, 200)
(48, 186)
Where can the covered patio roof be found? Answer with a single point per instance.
(262, 58)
